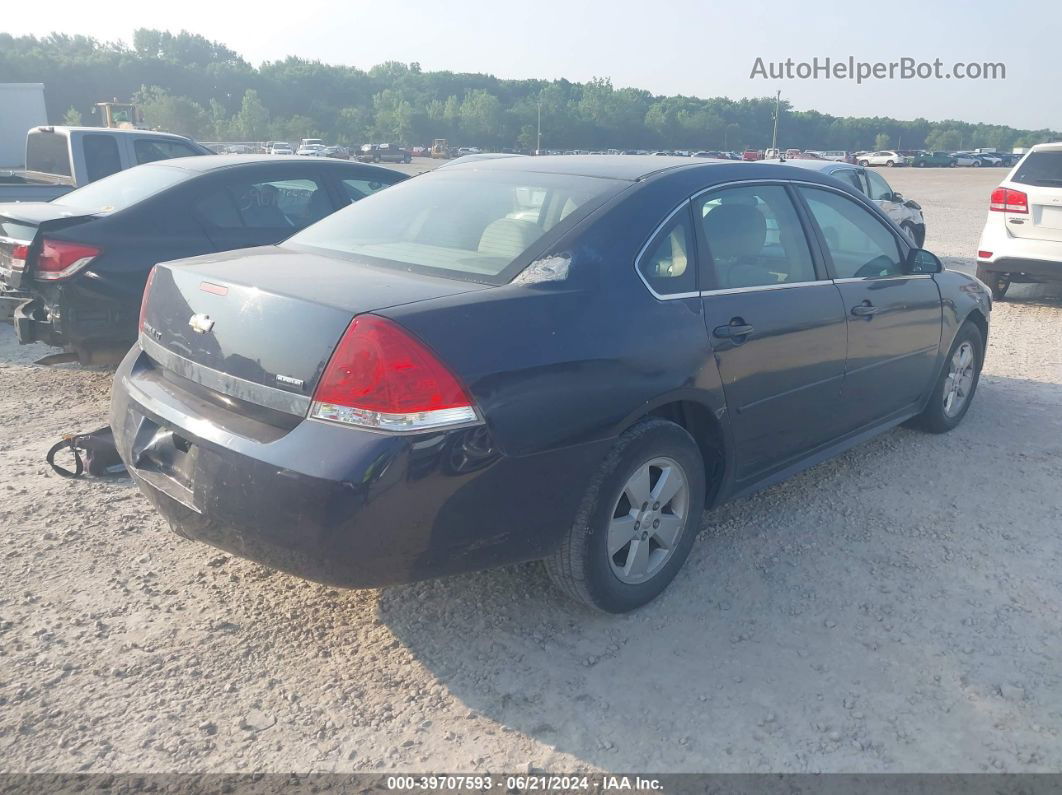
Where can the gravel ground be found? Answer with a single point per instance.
(896, 609)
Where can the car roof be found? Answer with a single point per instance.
(1056, 146)
(824, 166)
(202, 163)
(109, 131)
(624, 167)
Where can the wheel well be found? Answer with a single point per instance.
(701, 424)
(981, 322)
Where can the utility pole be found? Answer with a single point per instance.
(777, 106)
(538, 145)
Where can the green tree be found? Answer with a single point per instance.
(882, 141)
(72, 117)
(163, 111)
(252, 122)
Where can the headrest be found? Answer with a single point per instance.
(735, 230)
(508, 238)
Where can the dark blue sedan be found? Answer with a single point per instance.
(564, 359)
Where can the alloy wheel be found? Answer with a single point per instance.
(957, 386)
(647, 520)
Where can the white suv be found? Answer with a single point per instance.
(1022, 238)
(886, 157)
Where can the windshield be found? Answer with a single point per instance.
(124, 189)
(465, 223)
(1040, 169)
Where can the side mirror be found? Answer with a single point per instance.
(921, 261)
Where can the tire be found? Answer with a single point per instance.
(921, 164)
(889, 164)
(975, 164)
(938, 416)
(581, 566)
(998, 283)
(864, 163)
(916, 232)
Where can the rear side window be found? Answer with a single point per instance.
(753, 238)
(667, 263)
(101, 156)
(851, 178)
(148, 150)
(123, 189)
(465, 223)
(1041, 170)
(859, 245)
(879, 188)
(278, 204)
(48, 152)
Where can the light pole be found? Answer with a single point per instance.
(538, 143)
(777, 106)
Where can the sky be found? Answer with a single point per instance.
(705, 48)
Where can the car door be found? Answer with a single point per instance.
(775, 321)
(244, 207)
(894, 317)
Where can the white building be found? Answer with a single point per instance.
(23, 108)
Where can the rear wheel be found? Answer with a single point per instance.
(889, 164)
(957, 383)
(864, 163)
(998, 283)
(637, 522)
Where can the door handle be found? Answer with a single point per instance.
(865, 309)
(734, 330)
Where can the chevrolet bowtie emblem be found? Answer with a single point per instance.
(201, 324)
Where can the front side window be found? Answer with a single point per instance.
(851, 178)
(101, 156)
(667, 264)
(879, 188)
(357, 189)
(149, 150)
(858, 244)
(466, 224)
(285, 204)
(753, 238)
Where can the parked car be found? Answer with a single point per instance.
(72, 271)
(1022, 237)
(432, 385)
(837, 155)
(752, 154)
(884, 157)
(905, 213)
(384, 153)
(1007, 159)
(61, 159)
(337, 152)
(281, 149)
(966, 159)
(311, 150)
(933, 160)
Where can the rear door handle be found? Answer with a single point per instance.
(865, 309)
(735, 328)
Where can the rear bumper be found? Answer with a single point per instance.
(29, 316)
(1022, 257)
(1018, 269)
(340, 505)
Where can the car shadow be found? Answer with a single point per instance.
(851, 618)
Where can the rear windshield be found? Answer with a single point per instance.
(1040, 169)
(124, 189)
(48, 152)
(466, 224)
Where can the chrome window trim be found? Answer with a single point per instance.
(226, 384)
(756, 288)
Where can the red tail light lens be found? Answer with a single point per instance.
(61, 260)
(382, 377)
(1008, 200)
(144, 298)
(19, 255)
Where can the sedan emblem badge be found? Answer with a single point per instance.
(201, 323)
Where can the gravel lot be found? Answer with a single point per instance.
(896, 609)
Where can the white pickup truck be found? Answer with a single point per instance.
(60, 159)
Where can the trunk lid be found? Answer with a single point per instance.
(1039, 177)
(260, 324)
(20, 224)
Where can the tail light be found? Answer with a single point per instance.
(19, 255)
(59, 259)
(982, 254)
(144, 298)
(381, 377)
(1008, 200)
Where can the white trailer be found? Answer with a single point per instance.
(21, 108)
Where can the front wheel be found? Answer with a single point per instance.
(976, 164)
(957, 383)
(916, 232)
(637, 522)
(864, 163)
(889, 164)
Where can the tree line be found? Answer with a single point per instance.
(187, 84)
